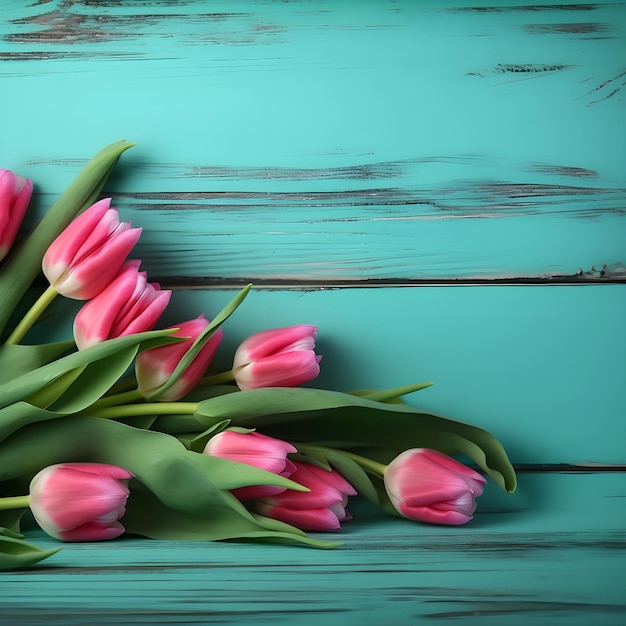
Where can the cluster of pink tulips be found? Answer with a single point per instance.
(86, 501)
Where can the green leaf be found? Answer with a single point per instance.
(176, 493)
(148, 516)
(94, 380)
(200, 341)
(390, 395)
(20, 359)
(198, 443)
(23, 265)
(33, 381)
(45, 396)
(20, 414)
(10, 522)
(18, 554)
(341, 420)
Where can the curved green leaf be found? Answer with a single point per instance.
(16, 360)
(20, 414)
(18, 554)
(342, 420)
(33, 381)
(177, 493)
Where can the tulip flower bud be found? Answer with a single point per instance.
(282, 357)
(128, 305)
(320, 509)
(80, 501)
(254, 449)
(15, 194)
(154, 367)
(429, 486)
(89, 253)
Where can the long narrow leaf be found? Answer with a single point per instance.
(343, 420)
(33, 381)
(24, 263)
(198, 344)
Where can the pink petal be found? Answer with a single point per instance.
(269, 342)
(92, 531)
(287, 369)
(320, 520)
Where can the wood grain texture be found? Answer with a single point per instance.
(548, 563)
(324, 142)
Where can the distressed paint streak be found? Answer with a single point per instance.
(570, 28)
(563, 170)
(492, 608)
(523, 8)
(608, 88)
(62, 27)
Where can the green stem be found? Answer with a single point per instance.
(125, 397)
(370, 465)
(32, 315)
(14, 502)
(217, 379)
(147, 408)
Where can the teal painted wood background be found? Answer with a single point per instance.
(441, 187)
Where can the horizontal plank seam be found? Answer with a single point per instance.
(569, 468)
(188, 282)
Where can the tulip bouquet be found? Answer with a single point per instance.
(121, 428)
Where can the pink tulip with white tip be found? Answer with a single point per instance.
(128, 305)
(429, 486)
(89, 253)
(80, 501)
(281, 357)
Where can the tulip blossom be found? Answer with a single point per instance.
(80, 501)
(429, 486)
(282, 357)
(128, 305)
(89, 253)
(320, 509)
(15, 194)
(254, 449)
(154, 367)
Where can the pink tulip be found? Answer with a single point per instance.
(154, 367)
(320, 509)
(254, 449)
(282, 357)
(80, 501)
(89, 253)
(128, 305)
(429, 486)
(15, 194)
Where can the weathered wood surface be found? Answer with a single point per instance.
(322, 141)
(307, 145)
(551, 562)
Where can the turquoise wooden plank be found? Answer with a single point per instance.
(551, 562)
(542, 368)
(419, 140)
